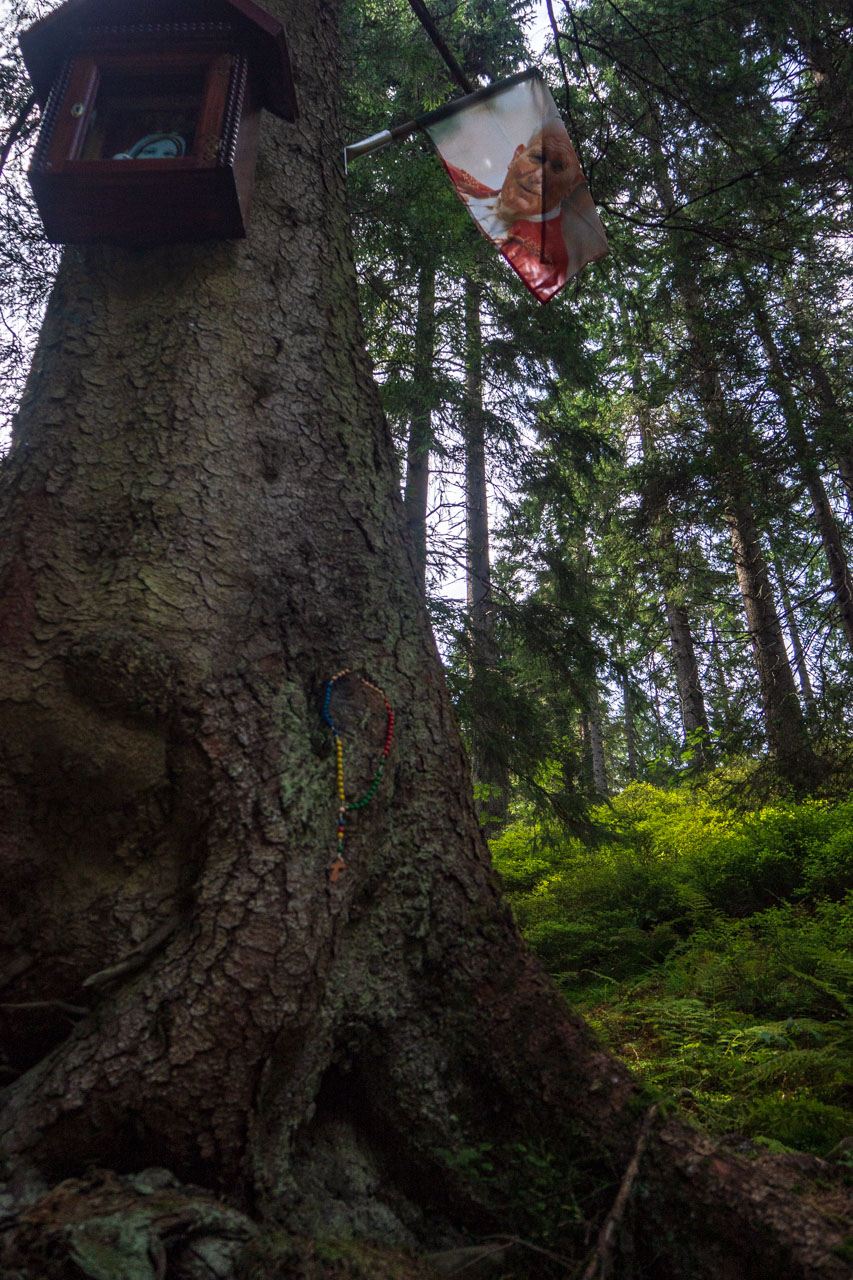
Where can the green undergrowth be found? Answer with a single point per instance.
(712, 950)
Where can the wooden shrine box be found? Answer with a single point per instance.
(151, 115)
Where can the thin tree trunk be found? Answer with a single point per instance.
(630, 728)
(834, 423)
(722, 679)
(479, 583)
(694, 717)
(419, 443)
(786, 734)
(836, 558)
(596, 745)
(490, 773)
(586, 752)
(845, 471)
(800, 665)
(653, 680)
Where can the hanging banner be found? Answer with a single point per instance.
(512, 164)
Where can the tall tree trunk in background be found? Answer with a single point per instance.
(836, 557)
(719, 669)
(694, 717)
(490, 773)
(630, 728)
(479, 576)
(785, 728)
(653, 681)
(800, 665)
(592, 750)
(665, 556)
(587, 772)
(834, 428)
(202, 524)
(419, 443)
(593, 765)
(596, 745)
(786, 732)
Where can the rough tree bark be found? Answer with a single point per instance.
(201, 524)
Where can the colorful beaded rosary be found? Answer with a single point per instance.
(339, 865)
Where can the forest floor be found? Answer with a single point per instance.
(711, 949)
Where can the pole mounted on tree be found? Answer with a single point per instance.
(377, 141)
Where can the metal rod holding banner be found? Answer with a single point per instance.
(377, 141)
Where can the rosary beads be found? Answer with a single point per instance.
(339, 865)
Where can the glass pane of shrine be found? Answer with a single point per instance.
(147, 115)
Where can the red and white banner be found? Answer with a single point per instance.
(512, 163)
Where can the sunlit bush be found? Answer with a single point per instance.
(711, 949)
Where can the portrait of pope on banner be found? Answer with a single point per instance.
(512, 163)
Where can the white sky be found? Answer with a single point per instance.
(539, 31)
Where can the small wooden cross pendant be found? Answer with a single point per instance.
(336, 868)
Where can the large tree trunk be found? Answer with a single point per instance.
(202, 525)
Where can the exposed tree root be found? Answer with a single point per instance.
(600, 1265)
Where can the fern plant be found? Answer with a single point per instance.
(711, 950)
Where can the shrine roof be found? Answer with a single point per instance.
(47, 43)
